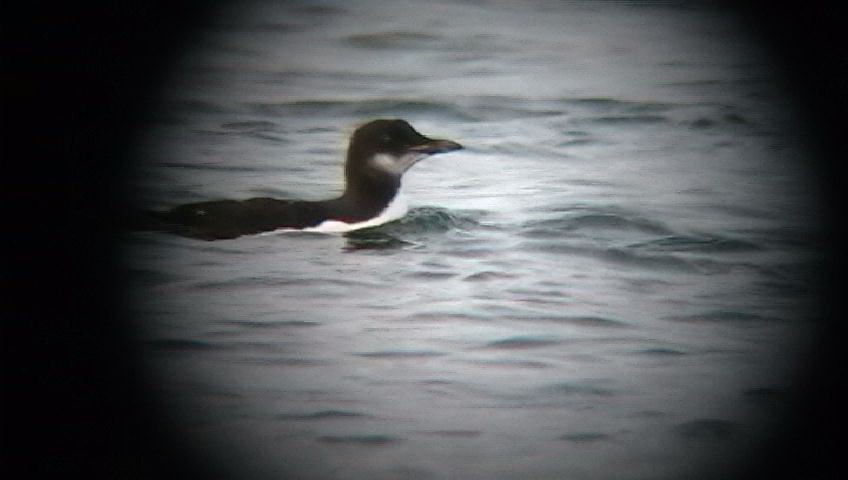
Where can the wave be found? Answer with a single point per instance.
(401, 354)
(358, 109)
(417, 223)
(632, 239)
(627, 119)
(454, 433)
(466, 109)
(720, 316)
(322, 415)
(627, 257)
(250, 125)
(579, 220)
(587, 388)
(588, 111)
(364, 440)
(585, 437)
(705, 243)
(613, 105)
(522, 342)
(393, 39)
(458, 47)
(270, 324)
(706, 429)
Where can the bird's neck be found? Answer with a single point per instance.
(370, 187)
(372, 196)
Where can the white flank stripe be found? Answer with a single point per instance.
(396, 209)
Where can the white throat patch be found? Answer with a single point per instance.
(395, 165)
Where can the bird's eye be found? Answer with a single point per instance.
(385, 138)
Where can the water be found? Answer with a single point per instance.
(616, 278)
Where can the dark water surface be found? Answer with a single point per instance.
(616, 278)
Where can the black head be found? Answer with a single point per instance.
(391, 147)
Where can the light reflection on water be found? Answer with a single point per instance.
(607, 283)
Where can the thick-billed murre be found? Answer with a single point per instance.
(379, 153)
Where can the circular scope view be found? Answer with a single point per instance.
(475, 240)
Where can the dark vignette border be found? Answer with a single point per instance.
(78, 78)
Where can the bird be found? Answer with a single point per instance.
(379, 153)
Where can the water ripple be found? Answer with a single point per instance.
(401, 354)
(415, 226)
(393, 39)
(359, 109)
(706, 429)
(454, 433)
(623, 257)
(608, 105)
(585, 437)
(578, 388)
(322, 415)
(522, 342)
(720, 316)
(619, 120)
(580, 220)
(692, 243)
(360, 440)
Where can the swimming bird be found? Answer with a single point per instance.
(378, 155)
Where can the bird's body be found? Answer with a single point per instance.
(378, 155)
